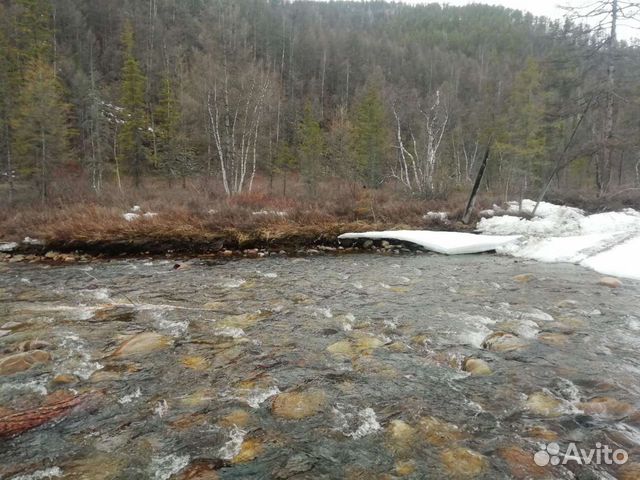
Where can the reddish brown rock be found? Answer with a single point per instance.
(57, 407)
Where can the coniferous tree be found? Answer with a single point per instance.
(311, 149)
(133, 132)
(370, 138)
(40, 130)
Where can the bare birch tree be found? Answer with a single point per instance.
(419, 160)
(235, 107)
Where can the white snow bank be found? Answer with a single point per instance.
(449, 243)
(8, 246)
(135, 214)
(606, 242)
(621, 261)
(441, 216)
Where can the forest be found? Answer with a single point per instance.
(342, 107)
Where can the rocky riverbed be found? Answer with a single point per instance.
(351, 366)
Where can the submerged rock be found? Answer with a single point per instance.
(544, 404)
(404, 468)
(195, 363)
(629, 471)
(31, 345)
(400, 437)
(524, 277)
(610, 282)
(101, 467)
(200, 470)
(542, 433)
(606, 407)
(57, 407)
(64, 379)
(298, 463)
(237, 418)
(476, 366)
(142, 343)
(19, 362)
(298, 405)
(250, 449)
(438, 432)
(521, 463)
(554, 339)
(360, 345)
(503, 342)
(463, 463)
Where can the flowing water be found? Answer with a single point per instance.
(311, 368)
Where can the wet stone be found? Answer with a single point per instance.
(439, 433)
(299, 405)
(606, 407)
(541, 403)
(476, 366)
(298, 463)
(521, 463)
(249, 450)
(20, 362)
(199, 470)
(463, 463)
(142, 343)
(503, 342)
(610, 282)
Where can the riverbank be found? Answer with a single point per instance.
(147, 238)
(183, 223)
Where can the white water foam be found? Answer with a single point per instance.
(78, 360)
(161, 409)
(364, 421)
(368, 426)
(233, 445)
(53, 472)
(230, 332)
(130, 397)
(166, 466)
(257, 397)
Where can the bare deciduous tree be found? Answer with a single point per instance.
(418, 163)
(235, 110)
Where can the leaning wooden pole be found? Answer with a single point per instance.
(476, 186)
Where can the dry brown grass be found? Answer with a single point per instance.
(198, 216)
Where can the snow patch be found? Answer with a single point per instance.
(608, 243)
(8, 246)
(136, 213)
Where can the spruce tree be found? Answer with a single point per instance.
(369, 138)
(39, 124)
(134, 129)
(311, 149)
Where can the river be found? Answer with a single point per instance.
(354, 366)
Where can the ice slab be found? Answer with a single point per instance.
(448, 243)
